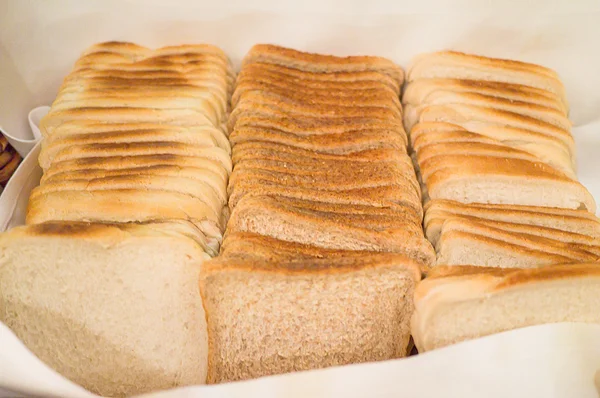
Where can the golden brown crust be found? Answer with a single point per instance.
(319, 266)
(512, 277)
(321, 63)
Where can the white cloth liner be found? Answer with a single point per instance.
(39, 41)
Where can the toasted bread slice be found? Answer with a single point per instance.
(179, 117)
(115, 163)
(419, 91)
(463, 248)
(255, 103)
(575, 221)
(49, 151)
(547, 149)
(457, 65)
(483, 164)
(343, 80)
(214, 170)
(348, 142)
(205, 186)
(151, 102)
(492, 302)
(266, 216)
(80, 132)
(311, 62)
(433, 137)
(319, 126)
(391, 212)
(335, 179)
(512, 181)
(451, 149)
(467, 115)
(368, 98)
(401, 169)
(545, 114)
(143, 149)
(126, 205)
(382, 196)
(545, 244)
(251, 246)
(435, 223)
(268, 150)
(281, 87)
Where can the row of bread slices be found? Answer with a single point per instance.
(493, 149)
(321, 182)
(139, 135)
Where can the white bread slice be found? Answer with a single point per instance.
(573, 221)
(421, 140)
(49, 151)
(457, 65)
(217, 175)
(281, 327)
(204, 187)
(419, 90)
(461, 303)
(464, 248)
(115, 163)
(85, 132)
(114, 308)
(546, 244)
(143, 148)
(510, 181)
(576, 241)
(147, 102)
(469, 115)
(120, 206)
(545, 114)
(266, 216)
(548, 149)
(179, 117)
(449, 149)
(210, 96)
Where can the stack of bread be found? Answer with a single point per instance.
(496, 158)
(492, 145)
(9, 161)
(324, 244)
(139, 135)
(103, 282)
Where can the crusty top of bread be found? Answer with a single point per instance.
(418, 90)
(562, 212)
(508, 63)
(112, 233)
(334, 265)
(319, 62)
(511, 277)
